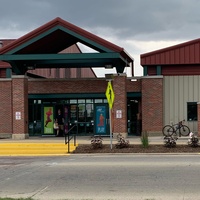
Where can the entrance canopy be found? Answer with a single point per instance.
(41, 49)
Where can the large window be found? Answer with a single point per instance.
(79, 110)
(192, 111)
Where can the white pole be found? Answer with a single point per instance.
(110, 128)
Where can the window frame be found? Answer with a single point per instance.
(192, 114)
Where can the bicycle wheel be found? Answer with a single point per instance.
(167, 130)
(184, 130)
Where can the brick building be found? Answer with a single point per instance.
(178, 69)
(45, 70)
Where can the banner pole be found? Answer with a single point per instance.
(110, 128)
(110, 97)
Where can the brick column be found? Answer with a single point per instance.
(198, 117)
(20, 107)
(152, 105)
(120, 105)
(6, 107)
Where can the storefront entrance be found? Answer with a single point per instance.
(90, 116)
(80, 112)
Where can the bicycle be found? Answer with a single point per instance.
(182, 129)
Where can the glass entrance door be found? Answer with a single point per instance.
(134, 117)
(51, 113)
(34, 122)
(61, 115)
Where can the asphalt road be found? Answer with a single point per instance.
(102, 177)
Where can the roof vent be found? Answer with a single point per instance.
(1, 44)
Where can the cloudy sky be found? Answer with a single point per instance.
(139, 26)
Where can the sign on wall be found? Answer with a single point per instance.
(18, 115)
(118, 113)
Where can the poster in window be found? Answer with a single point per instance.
(48, 120)
(100, 120)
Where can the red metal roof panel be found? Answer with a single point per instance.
(184, 53)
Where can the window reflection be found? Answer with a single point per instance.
(192, 111)
(81, 112)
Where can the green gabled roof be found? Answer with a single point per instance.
(41, 46)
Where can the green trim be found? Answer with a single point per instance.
(67, 96)
(20, 62)
(86, 41)
(158, 70)
(8, 73)
(80, 38)
(64, 57)
(15, 69)
(134, 94)
(119, 69)
(78, 95)
(145, 70)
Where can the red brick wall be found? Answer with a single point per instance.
(20, 104)
(133, 86)
(81, 86)
(15, 92)
(66, 86)
(6, 106)
(120, 103)
(152, 105)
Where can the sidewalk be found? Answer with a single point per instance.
(87, 140)
(132, 140)
(55, 146)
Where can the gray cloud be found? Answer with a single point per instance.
(118, 21)
(135, 19)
